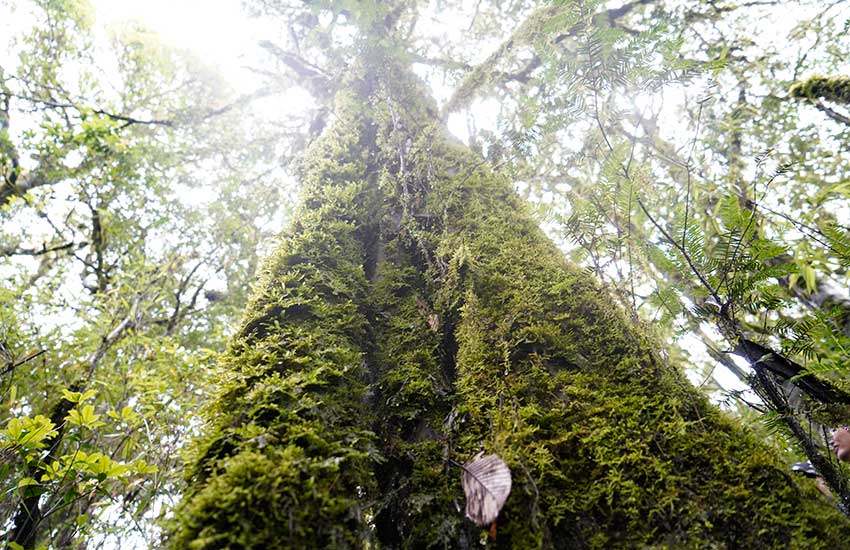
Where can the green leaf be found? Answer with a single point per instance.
(77, 397)
(84, 417)
(128, 414)
(27, 481)
(792, 279)
(13, 430)
(72, 396)
(28, 433)
(810, 277)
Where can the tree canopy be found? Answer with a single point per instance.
(686, 159)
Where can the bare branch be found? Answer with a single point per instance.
(12, 366)
(831, 113)
(45, 249)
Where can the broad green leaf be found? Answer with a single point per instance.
(27, 481)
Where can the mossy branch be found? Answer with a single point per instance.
(834, 89)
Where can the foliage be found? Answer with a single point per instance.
(118, 288)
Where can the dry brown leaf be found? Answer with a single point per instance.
(486, 481)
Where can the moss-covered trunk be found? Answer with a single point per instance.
(415, 314)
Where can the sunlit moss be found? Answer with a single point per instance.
(831, 88)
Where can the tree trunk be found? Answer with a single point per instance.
(415, 314)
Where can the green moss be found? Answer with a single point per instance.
(836, 89)
(414, 315)
(288, 453)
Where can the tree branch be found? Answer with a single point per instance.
(834, 115)
(316, 79)
(825, 467)
(45, 249)
(15, 364)
(102, 112)
(16, 185)
(529, 30)
(787, 369)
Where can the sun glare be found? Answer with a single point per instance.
(218, 32)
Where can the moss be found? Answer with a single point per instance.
(835, 89)
(287, 457)
(414, 315)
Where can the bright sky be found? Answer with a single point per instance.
(217, 30)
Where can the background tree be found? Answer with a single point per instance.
(133, 198)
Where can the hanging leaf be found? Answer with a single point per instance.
(486, 482)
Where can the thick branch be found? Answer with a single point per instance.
(826, 468)
(315, 79)
(529, 31)
(787, 369)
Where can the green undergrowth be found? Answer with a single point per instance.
(415, 314)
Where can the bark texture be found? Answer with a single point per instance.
(415, 314)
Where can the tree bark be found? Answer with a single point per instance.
(415, 314)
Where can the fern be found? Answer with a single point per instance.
(838, 239)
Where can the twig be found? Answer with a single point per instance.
(9, 251)
(26, 359)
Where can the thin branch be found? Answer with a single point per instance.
(834, 115)
(11, 251)
(688, 170)
(102, 112)
(684, 252)
(747, 228)
(17, 364)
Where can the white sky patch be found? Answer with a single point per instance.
(485, 117)
(219, 33)
(698, 353)
(216, 30)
